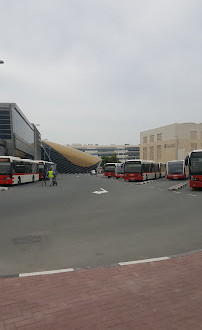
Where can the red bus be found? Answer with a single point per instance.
(140, 170)
(176, 169)
(14, 170)
(119, 170)
(194, 160)
(109, 169)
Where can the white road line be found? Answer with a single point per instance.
(3, 188)
(177, 192)
(47, 272)
(191, 195)
(142, 261)
(102, 191)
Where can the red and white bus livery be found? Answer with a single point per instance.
(140, 170)
(194, 160)
(119, 170)
(14, 170)
(176, 169)
(109, 169)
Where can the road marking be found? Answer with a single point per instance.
(177, 192)
(3, 188)
(142, 261)
(47, 272)
(191, 195)
(102, 191)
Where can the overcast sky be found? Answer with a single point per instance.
(101, 71)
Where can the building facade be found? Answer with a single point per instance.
(123, 152)
(171, 142)
(69, 160)
(19, 137)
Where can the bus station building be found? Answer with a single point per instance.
(18, 137)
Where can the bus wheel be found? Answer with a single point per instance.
(19, 181)
(33, 178)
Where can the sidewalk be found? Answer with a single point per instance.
(158, 295)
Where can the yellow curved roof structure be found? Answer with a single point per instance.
(76, 157)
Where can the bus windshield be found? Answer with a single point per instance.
(133, 167)
(109, 168)
(120, 169)
(175, 168)
(5, 168)
(196, 163)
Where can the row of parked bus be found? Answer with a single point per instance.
(15, 170)
(140, 170)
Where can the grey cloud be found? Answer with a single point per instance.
(102, 70)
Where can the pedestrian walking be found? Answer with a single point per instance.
(51, 177)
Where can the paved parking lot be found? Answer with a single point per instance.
(71, 226)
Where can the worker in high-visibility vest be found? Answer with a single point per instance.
(51, 176)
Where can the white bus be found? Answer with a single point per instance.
(119, 170)
(176, 169)
(14, 170)
(139, 170)
(109, 169)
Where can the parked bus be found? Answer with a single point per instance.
(194, 160)
(109, 169)
(44, 167)
(139, 170)
(14, 170)
(162, 170)
(119, 170)
(176, 169)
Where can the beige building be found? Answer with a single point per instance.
(171, 142)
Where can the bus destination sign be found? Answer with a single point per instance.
(4, 160)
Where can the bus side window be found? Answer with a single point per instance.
(14, 167)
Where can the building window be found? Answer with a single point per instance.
(145, 139)
(193, 146)
(151, 138)
(159, 137)
(145, 153)
(151, 153)
(159, 152)
(193, 134)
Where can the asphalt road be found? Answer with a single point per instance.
(70, 226)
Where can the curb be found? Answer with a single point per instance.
(119, 264)
(178, 186)
(144, 182)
